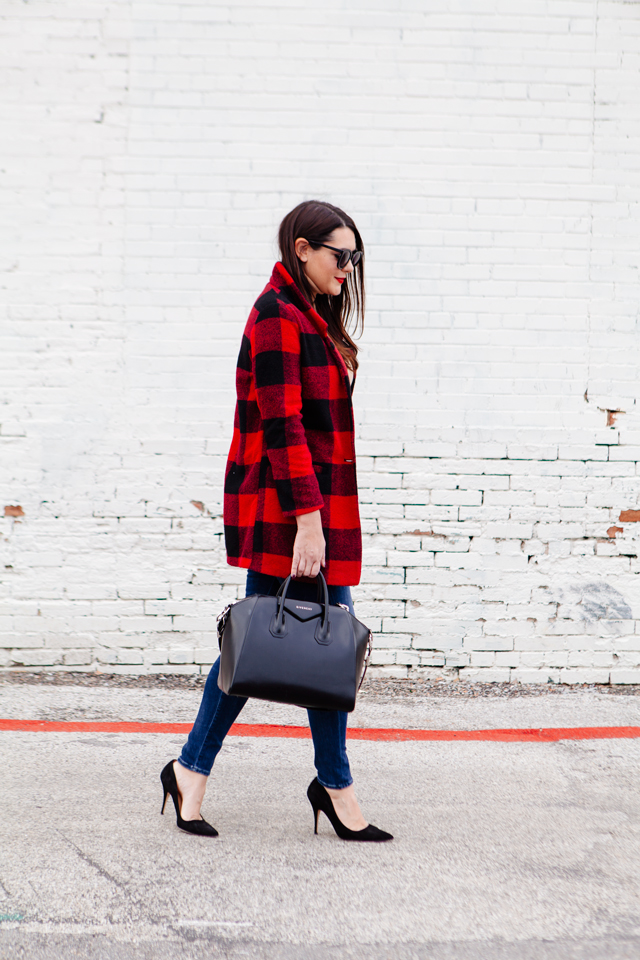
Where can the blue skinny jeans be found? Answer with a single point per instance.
(218, 711)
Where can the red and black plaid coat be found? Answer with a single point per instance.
(293, 440)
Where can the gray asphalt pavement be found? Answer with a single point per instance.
(503, 851)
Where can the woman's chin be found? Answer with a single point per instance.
(330, 289)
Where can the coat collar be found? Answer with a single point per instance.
(282, 280)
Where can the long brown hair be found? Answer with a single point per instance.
(315, 220)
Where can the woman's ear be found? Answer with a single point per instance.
(302, 249)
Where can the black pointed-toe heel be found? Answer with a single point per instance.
(170, 787)
(321, 801)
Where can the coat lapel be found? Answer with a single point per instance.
(281, 279)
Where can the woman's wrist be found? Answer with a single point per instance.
(309, 545)
(308, 521)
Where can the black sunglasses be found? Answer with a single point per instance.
(345, 255)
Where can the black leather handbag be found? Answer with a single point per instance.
(293, 651)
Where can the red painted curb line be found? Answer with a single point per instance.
(385, 734)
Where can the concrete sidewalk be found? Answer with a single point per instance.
(502, 850)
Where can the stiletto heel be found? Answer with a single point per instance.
(170, 787)
(320, 800)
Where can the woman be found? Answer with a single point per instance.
(291, 499)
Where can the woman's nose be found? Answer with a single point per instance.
(348, 268)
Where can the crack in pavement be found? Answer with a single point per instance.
(134, 899)
(103, 873)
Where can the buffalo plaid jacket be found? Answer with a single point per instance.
(293, 440)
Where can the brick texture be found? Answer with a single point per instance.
(490, 156)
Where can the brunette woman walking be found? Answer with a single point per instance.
(290, 495)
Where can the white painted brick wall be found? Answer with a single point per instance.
(489, 153)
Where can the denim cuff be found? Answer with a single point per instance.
(336, 786)
(189, 766)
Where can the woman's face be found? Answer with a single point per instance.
(321, 265)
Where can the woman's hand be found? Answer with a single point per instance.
(309, 546)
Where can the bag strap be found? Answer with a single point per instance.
(319, 591)
(322, 631)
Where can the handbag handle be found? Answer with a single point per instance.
(323, 628)
(319, 591)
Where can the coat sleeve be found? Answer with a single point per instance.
(275, 363)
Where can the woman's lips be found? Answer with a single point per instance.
(340, 279)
